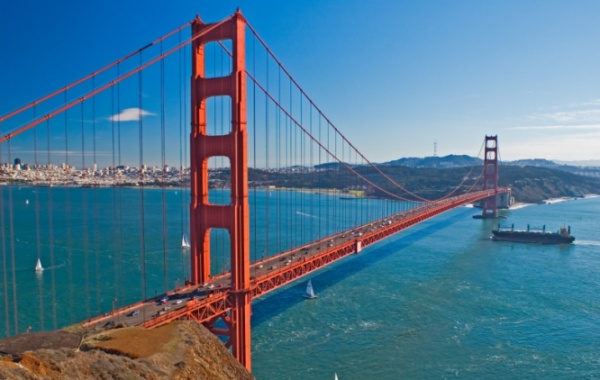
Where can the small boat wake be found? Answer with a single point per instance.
(307, 215)
(39, 269)
(587, 242)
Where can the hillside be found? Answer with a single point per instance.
(455, 161)
(179, 350)
(436, 162)
(529, 184)
(535, 184)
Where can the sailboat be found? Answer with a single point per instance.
(310, 293)
(335, 376)
(38, 266)
(185, 243)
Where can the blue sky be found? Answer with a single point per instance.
(394, 76)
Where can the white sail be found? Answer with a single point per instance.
(38, 266)
(335, 376)
(310, 293)
(185, 242)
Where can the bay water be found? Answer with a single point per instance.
(443, 301)
(439, 300)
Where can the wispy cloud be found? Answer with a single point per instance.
(566, 132)
(558, 127)
(130, 114)
(580, 113)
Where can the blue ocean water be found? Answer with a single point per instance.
(440, 300)
(104, 248)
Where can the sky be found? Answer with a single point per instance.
(396, 77)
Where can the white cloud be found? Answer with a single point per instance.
(579, 116)
(557, 127)
(580, 145)
(130, 114)
(581, 113)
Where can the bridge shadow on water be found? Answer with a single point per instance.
(281, 300)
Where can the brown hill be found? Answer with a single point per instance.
(180, 350)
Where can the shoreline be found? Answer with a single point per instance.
(550, 201)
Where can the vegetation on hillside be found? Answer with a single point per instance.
(529, 184)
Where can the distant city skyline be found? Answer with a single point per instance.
(393, 77)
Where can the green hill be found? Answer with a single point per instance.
(529, 184)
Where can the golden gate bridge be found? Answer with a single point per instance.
(256, 143)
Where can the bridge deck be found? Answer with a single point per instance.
(205, 303)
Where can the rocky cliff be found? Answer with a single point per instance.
(180, 350)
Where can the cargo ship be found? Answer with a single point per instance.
(563, 236)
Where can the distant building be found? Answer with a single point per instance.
(17, 165)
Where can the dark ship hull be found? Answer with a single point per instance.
(561, 237)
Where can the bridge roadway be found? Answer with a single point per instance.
(206, 302)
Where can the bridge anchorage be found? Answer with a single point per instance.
(222, 301)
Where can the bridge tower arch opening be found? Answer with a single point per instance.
(234, 217)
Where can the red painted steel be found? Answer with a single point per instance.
(283, 276)
(490, 176)
(203, 310)
(233, 217)
(214, 307)
(89, 76)
(100, 89)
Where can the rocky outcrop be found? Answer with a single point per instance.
(180, 350)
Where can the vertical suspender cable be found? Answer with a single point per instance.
(303, 174)
(117, 191)
(289, 166)
(114, 173)
(68, 221)
(4, 258)
(319, 176)
(12, 253)
(142, 187)
(266, 166)
(279, 144)
(335, 202)
(51, 231)
(164, 169)
(328, 212)
(95, 201)
(182, 137)
(311, 176)
(37, 227)
(119, 251)
(84, 212)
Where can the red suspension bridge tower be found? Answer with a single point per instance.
(490, 177)
(226, 311)
(233, 217)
